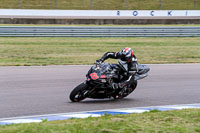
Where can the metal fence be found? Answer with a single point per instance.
(20, 31)
(102, 4)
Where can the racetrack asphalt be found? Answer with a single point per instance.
(38, 90)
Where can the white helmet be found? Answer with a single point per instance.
(127, 54)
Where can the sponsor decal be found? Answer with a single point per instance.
(94, 76)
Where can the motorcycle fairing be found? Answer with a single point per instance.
(102, 71)
(94, 76)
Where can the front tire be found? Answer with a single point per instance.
(79, 93)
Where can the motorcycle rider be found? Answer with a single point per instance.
(127, 58)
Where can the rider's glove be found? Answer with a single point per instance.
(99, 61)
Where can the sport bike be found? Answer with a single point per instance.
(99, 80)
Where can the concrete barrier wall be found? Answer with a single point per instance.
(99, 17)
(100, 13)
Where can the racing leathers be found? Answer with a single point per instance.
(129, 68)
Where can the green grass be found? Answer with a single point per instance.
(67, 51)
(102, 4)
(177, 121)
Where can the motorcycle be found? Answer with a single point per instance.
(98, 84)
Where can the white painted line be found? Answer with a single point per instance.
(96, 113)
(132, 110)
(17, 121)
(81, 115)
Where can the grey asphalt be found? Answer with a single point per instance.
(38, 90)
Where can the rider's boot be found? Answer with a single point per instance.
(118, 87)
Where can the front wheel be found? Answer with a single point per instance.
(79, 93)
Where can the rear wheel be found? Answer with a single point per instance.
(133, 86)
(79, 93)
(126, 92)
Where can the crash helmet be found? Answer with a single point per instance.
(126, 54)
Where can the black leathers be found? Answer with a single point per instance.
(132, 66)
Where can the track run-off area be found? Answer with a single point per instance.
(40, 90)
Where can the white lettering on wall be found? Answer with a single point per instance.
(131, 13)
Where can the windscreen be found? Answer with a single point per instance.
(105, 68)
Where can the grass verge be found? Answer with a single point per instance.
(176, 121)
(68, 51)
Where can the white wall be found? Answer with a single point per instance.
(60, 13)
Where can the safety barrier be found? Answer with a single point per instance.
(98, 31)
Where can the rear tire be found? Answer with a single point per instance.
(78, 93)
(130, 90)
(133, 86)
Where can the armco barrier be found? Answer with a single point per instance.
(97, 31)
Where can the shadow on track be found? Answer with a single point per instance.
(103, 101)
